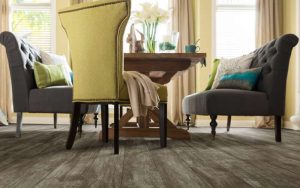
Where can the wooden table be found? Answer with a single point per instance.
(160, 67)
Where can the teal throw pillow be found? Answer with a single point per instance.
(245, 79)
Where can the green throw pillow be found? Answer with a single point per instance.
(213, 74)
(49, 75)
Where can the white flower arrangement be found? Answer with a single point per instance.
(150, 16)
(151, 13)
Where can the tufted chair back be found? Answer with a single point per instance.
(21, 57)
(274, 57)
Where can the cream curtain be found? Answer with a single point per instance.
(5, 83)
(269, 16)
(185, 83)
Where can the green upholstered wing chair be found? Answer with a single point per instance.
(95, 31)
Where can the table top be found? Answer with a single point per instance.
(161, 67)
(178, 57)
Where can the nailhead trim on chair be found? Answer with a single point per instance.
(92, 6)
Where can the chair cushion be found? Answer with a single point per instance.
(162, 93)
(57, 99)
(226, 102)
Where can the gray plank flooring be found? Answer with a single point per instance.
(245, 157)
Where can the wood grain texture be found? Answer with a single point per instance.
(166, 57)
(244, 157)
(168, 64)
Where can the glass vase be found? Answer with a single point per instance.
(169, 43)
(150, 45)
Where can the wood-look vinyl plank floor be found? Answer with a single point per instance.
(244, 157)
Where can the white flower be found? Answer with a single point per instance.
(151, 14)
(146, 7)
(164, 16)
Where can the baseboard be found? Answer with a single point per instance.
(223, 123)
(43, 120)
(290, 125)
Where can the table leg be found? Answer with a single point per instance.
(144, 128)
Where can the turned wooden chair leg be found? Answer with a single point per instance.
(96, 119)
(116, 128)
(81, 122)
(188, 121)
(55, 120)
(19, 124)
(228, 123)
(163, 124)
(213, 125)
(278, 128)
(105, 122)
(73, 126)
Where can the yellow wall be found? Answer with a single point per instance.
(203, 23)
(203, 27)
(289, 26)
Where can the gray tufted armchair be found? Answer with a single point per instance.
(26, 96)
(268, 99)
